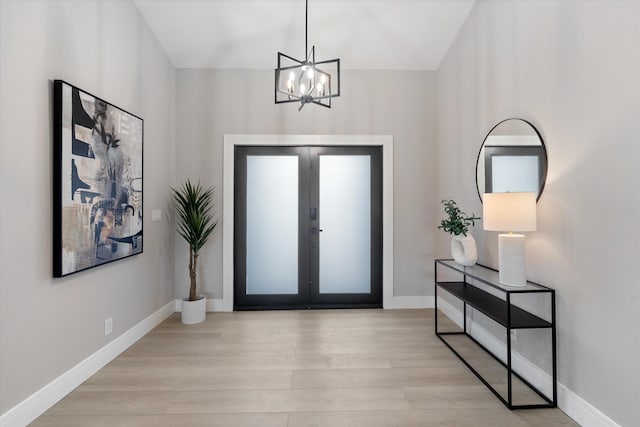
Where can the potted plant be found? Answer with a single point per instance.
(463, 246)
(194, 223)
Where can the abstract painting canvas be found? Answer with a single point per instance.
(97, 185)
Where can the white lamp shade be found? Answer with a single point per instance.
(509, 211)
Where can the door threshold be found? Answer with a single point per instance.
(307, 307)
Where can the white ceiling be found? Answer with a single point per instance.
(364, 34)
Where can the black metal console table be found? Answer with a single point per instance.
(512, 308)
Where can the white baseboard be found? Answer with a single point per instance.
(450, 311)
(399, 302)
(396, 303)
(212, 305)
(569, 402)
(582, 411)
(39, 402)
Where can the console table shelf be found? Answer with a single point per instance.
(481, 291)
(494, 307)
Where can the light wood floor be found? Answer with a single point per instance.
(291, 368)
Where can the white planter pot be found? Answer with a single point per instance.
(464, 250)
(194, 311)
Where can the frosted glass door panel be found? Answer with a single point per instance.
(272, 225)
(345, 218)
(515, 173)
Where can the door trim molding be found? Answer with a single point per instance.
(231, 141)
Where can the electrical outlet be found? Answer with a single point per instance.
(156, 215)
(108, 326)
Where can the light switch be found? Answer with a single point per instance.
(156, 215)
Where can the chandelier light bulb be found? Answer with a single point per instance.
(303, 88)
(292, 76)
(323, 78)
(310, 73)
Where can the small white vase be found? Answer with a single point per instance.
(194, 311)
(464, 250)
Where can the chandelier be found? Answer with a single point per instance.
(307, 81)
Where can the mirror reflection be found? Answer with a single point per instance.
(512, 158)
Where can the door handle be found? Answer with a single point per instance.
(315, 230)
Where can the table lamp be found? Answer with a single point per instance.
(510, 212)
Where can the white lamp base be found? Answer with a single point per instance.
(511, 259)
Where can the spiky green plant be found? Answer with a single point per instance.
(195, 223)
(458, 221)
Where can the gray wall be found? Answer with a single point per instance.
(570, 67)
(212, 103)
(47, 325)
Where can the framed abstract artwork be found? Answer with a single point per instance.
(97, 181)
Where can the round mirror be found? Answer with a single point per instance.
(512, 158)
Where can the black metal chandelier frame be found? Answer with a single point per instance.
(306, 76)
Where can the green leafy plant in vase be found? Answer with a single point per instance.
(463, 246)
(195, 223)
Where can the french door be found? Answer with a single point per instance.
(308, 227)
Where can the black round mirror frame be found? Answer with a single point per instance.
(543, 165)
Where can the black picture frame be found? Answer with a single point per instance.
(97, 181)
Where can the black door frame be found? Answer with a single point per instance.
(308, 242)
(241, 300)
